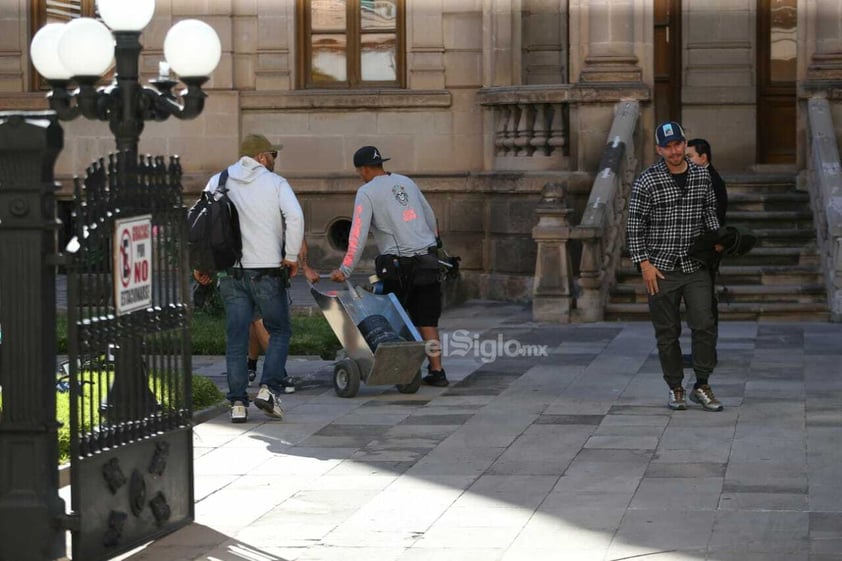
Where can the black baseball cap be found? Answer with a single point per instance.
(667, 132)
(368, 156)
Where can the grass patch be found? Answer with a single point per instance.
(311, 335)
(205, 394)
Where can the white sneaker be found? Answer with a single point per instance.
(239, 412)
(269, 402)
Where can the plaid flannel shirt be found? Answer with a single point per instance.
(664, 221)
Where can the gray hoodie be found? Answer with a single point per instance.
(271, 220)
(397, 214)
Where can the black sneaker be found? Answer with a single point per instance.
(252, 376)
(288, 384)
(436, 378)
(269, 402)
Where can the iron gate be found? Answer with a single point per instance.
(129, 357)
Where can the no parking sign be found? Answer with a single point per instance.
(132, 263)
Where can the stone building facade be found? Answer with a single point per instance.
(490, 101)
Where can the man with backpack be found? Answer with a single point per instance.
(270, 221)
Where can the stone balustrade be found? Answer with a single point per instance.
(825, 183)
(530, 126)
(601, 232)
(602, 229)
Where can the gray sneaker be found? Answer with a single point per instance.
(269, 402)
(703, 395)
(677, 401)
(239, 412)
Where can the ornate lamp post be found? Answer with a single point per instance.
(82, 50)
(78, 53)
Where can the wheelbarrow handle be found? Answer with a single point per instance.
(352, 289)
(350, 286)
(321, 276)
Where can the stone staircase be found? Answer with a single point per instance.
(780, 279)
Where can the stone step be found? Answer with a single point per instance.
(782, 237)
(796, 219)
(742, 293)
(760, 201)
(752, 183)
(753, 311)
(770, 274)
(804, 256)
(766, 275)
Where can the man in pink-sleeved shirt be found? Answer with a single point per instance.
(403, 225)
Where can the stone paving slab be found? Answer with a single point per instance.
(568, 455)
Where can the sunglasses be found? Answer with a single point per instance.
(274, 154)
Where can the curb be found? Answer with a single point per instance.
(210, 412)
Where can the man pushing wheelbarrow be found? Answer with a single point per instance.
(402, 222)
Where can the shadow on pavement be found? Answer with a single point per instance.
(188, 541)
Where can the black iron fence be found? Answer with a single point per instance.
(128, 372)
(129, 355)
(149, 394)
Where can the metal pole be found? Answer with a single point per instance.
(30, 507)
(127, 121)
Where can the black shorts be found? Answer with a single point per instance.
(422, 303)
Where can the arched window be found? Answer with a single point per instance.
(352, 43)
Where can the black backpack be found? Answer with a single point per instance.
(213, 237)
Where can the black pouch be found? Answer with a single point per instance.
(387, 267)
(425, 269)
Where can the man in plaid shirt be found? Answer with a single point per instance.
(672, 203)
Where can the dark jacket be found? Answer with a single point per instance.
(721, 194)
(737, 241)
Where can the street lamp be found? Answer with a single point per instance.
(81, 50)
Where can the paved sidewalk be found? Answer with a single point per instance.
(572, 456)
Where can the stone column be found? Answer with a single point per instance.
(502, 64)
(30, 507)
(610, 46)
(826, 61)
(551, 294)
(425, 45)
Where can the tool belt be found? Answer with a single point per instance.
(418, 270)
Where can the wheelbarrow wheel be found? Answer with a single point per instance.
(346, 378)
(411, 387)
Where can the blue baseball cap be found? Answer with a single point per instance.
(667, 132)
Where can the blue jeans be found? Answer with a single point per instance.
(243, 293)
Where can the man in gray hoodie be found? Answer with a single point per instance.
(272, 230)
(404, 227)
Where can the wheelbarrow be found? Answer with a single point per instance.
(380, 345)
